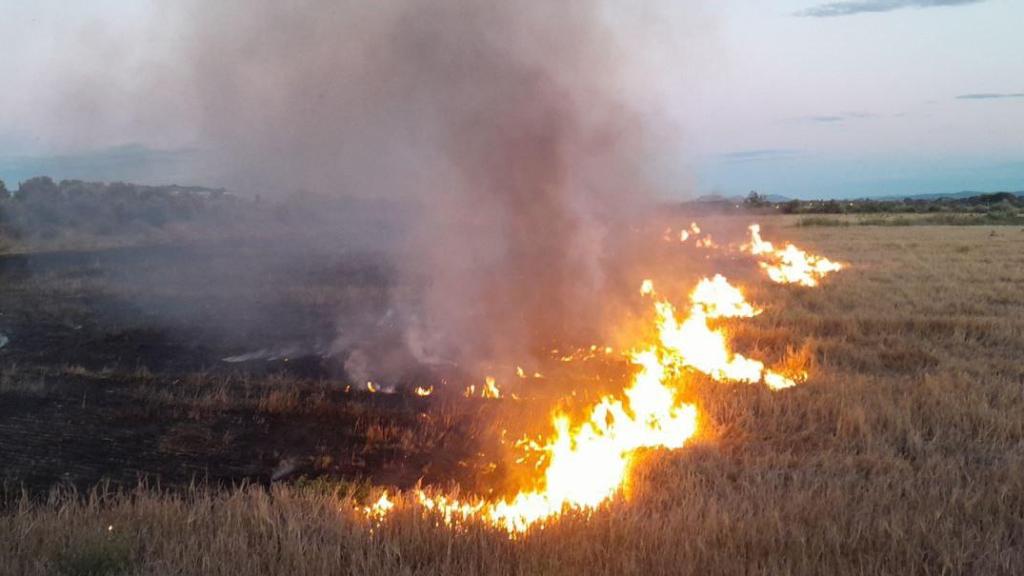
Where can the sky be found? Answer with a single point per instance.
(799, 98)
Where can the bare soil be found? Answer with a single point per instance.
(113, 371)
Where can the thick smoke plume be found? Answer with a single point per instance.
(501, 134)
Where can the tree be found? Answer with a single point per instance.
(791, 207)
(755, 200)
(40, 188)
(4, 194)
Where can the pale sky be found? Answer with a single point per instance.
(792, 97)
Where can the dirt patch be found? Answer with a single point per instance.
(114, 372)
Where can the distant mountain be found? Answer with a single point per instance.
(945, 196)
(714, 198)
(778, 198)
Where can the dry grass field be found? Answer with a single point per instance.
(902, 454)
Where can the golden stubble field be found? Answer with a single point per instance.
(903, 454)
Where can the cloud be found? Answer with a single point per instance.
(760, 154)
(831, 9)
(832, 118)
(823, 119)
(990, 96)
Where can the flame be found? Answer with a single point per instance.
(706, 242)
(594, 350)
(373, 388)
(694, 344)
(685, 234)
(380, 508)
(490, 389)
(584, 463)
(587, 463)
(789, 265)
(421, 391)
(719, 299)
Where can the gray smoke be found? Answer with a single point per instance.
(503, 129)
(499, 154)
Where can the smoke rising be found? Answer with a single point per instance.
(498, 154)
(503, 130)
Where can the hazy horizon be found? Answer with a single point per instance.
(803, 98)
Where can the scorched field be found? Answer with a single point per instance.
(863, 417)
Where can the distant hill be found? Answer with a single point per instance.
(945, 196)
(715, 198)
(778, 198)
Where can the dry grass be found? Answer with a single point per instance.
(904, 454)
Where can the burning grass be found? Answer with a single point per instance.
(902, 453)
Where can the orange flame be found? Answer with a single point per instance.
(490, 389)
(585, 463)
(421, 391)
(706, 242)
(380, 508)
(789, 265)
(694, 344)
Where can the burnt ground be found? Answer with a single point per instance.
(113, 370)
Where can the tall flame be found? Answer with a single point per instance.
(789, 265)
(695, 344)
(585, 463)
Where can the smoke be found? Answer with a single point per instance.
(500, 153)
(507, 132)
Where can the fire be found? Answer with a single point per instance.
(373, 388)
(693, 343)
(381, 507)
(586, 462)
(421, 391)
(490, 389)
(789, 265)
(685, 234)
(719, 299)
(706, 242)
(589, 352)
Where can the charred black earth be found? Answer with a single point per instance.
(198, 363)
